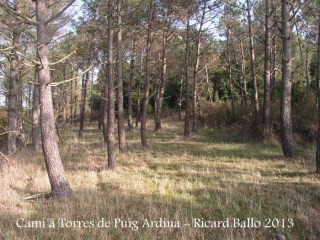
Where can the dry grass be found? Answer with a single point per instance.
(214, 175)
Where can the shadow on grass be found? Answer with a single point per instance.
(231, 200)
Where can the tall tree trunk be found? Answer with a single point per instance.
(138, 116)
(200, 112)
(75, 104)
(253, 66)
(110, 87)
(186, 75)
(230, 70)
(59, 184)
(208, 87)
(318, 81)
(285, 114)
(273, 45)
(65, 103)
(157, 93)
(91, 96)
(13, 94)
(85, 79)
(71, 102)
(119, 56)
(180, 98)
(196, 67)
(267, 70)
(163, 76)
(243, 73)
(29, 101)
(307, 69)
(131, 84)
(104, 108)
(143, 126)
(104, 102)
(36, 117)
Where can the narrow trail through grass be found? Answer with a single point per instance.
(214, 175)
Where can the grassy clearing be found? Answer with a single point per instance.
(214, 175)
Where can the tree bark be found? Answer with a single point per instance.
(318, 81)
(285, 113)
(267, 70)
(143, 125)
(13, 102)
(110, 87)
(59, 183)
(119, 56)
(84, 84)
(307, 69)
(253, 66)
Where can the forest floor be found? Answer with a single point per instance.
(213, 176)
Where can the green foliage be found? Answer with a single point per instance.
(172, 92)
(220, 81)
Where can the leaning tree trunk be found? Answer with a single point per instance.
(119, 56)
(318, 80)
(285, 113)
(84, 84)
(59, 184)
(143, 126)
(13, 94)
(267, 70)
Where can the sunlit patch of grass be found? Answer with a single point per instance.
(213, 175)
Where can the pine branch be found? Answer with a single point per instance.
(58, 14)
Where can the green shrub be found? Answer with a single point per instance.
(304, 118)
